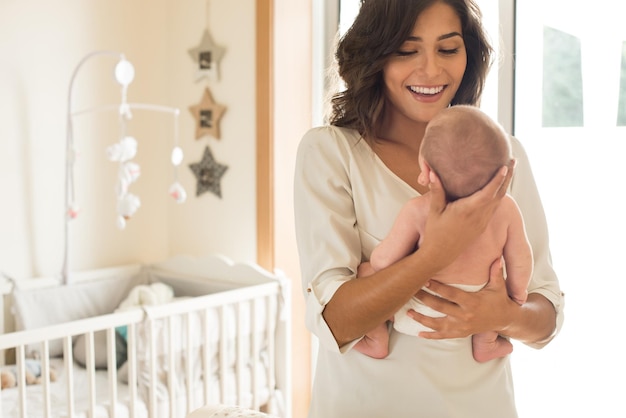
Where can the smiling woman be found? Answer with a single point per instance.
(351, 179)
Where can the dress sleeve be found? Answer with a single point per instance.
(544, 280)
(326, 232)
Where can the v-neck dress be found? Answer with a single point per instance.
(346, 201)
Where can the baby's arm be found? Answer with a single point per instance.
(518, 255)
(403, 237)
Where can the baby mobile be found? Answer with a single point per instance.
(207, 114)
(123, 152)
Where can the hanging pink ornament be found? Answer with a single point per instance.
(178, 192)
(73, 212)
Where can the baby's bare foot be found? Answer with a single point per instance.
(484, 351)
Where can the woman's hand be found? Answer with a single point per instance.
(467, 313)
(451, 227)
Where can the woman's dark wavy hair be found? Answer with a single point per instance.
(378, 32)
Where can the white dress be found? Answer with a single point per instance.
(346, 201)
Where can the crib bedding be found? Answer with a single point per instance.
(58, 398)
(227, 322)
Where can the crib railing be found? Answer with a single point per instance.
(252, 294)
(20, 339)
(269, 293)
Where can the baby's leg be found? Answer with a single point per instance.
(365, 269)
(490, 345)
(375, 343)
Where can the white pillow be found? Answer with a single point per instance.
(37, 308)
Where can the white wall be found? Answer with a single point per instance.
(40, 44)
(292, 118)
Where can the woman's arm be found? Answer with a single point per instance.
(533, 321)
(491, 309)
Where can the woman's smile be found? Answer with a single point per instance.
(427, 93)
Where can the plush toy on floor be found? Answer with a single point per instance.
(8, 375)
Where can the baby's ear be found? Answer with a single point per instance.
(424, 177)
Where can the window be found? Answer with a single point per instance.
(562, 90)
(570, 109)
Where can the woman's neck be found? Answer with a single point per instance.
(403, 131)
(397, 144)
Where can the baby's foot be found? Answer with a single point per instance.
(484, 351)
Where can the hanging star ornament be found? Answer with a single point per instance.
(207, 114)
(207, 56)
(208, 173)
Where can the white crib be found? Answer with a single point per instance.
(223, 339)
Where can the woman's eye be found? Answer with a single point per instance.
(449, 51)
(406, 53)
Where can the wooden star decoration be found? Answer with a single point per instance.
(207, 114)
(208, 173)
(207, 56)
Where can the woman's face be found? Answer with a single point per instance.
(425, 73)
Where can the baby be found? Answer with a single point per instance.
(465, 148)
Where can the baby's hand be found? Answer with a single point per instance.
(452, 226)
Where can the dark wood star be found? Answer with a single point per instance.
(208, 173)
(207, 114)
(207, 56)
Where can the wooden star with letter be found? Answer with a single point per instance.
(207, 55)
(207, 114)
(208, 173)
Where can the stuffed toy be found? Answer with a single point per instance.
(152, 294)
(8, 375)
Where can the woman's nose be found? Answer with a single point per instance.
(429, 65)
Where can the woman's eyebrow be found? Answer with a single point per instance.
(440, 38)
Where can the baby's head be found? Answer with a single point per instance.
(465, 148)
